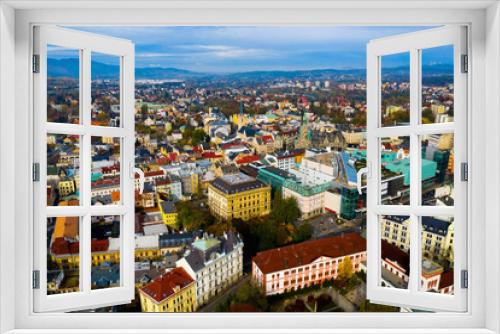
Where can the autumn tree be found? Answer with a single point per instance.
(345, 269)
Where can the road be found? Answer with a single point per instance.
(210, 307)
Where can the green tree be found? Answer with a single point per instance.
(144, 109)
(192, 218)
(198, 136)
(248, 293)
(285, 210)
(303, 232)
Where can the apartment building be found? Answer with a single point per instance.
(437, 235)
(215, 264)
(174, 291)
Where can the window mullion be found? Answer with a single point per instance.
(85, 167)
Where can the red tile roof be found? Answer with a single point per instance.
(446, 279)
(247, 159)
(210, 155)
(229, 145)
(301, 254)
(154, 173)
(110, 169)
(163, 286)
(267, 138)
(396, 256)
(61, 246)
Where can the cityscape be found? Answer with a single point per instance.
(250, 201)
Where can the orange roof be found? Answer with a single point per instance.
(66, 227)
(247, 159)
(163, 286)
(304, 253)
(115, 196)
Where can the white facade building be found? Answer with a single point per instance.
(215, 264)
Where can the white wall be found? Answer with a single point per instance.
(492, 145)
(7, 166)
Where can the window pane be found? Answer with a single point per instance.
(63, 255)
(63, 85)
(105, 177)
(437, 254)
(395, 170)
(105, 247)
(63, 170)
(395, 85)
(395, 251)
(437, 169)
(437, 85)
(105, 89)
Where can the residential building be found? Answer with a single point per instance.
(437, 235)
(396, 271)
(168, 213)
(312, 262)
(239, 196)
(174, 291)
(285, 159)
(215, 264)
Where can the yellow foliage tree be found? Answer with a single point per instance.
(345, 269)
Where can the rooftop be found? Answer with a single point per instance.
(205, 244)
(304, 253)
(167, 284)
(235, 183)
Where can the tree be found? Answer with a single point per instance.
(192, 218)
(303, 232)
(144, 109)
(197, 137)
(345, 269)
(285, 210)
(248, 293)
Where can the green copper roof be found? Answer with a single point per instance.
(403, 166)
(205, 244)
(96, 176)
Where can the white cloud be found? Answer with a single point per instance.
(155, 55)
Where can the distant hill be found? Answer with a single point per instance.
(69, 68)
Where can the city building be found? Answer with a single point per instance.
(396, 271)
(437, 235)
(308, 188)
(174, 291)
(285, 159)
(312, 262)
(215, 264)
(168, 213)
(273, 176)
(239, 196)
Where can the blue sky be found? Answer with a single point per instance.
(237, 49)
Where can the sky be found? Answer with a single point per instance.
(229, 49)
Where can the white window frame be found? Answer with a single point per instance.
(16, 20)
(85, 43)
(412, 43)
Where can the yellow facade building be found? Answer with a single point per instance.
(66, 187)
(437, 235)
(238, 196)
(168, 213)
(174, 291)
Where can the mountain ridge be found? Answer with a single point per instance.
(69, 67)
